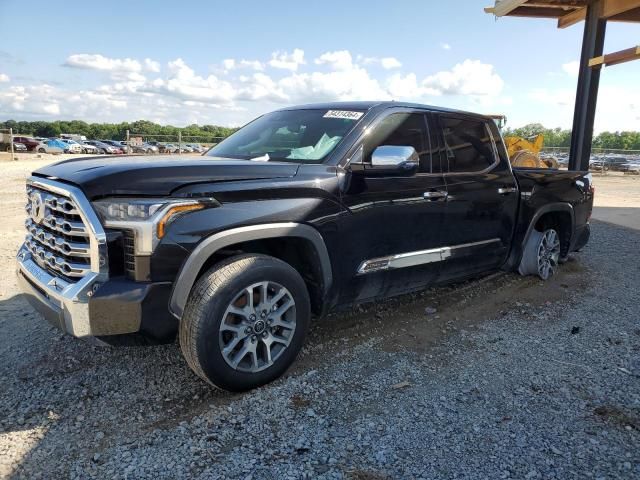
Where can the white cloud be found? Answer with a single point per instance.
(99, 62)
(341, 85)
(390, 62)
(184, 83)
(571, 68)
(387, 63)
(287, 61)
(445, 46)
(404, 87)
(175, 91)
(471, 77)
(558, 97)
(4, 77)
(151, 65)
(232, 64)
(338, 60)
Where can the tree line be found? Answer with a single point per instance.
(553, 137)
(557, 137)
(114, 131)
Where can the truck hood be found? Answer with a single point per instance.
(149, 176)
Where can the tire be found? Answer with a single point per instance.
(541, 254)
(42, 150)
(219, 331)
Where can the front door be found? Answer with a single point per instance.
(392, 229)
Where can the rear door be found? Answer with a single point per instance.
(393, 216)
(482, 197)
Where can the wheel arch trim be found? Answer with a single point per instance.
(206, 248)
(550, 208)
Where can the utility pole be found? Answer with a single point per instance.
(11, 142)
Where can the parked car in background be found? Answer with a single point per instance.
(72, 146)
(631, 168)
(17, 147)
(29, 142)
(102, 147)
(115, 144)
(144, 148)
(196, 147)
(605, 164)
(167, 148)
(51, 146)
(90, 149)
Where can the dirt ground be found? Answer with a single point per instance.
(399, 322)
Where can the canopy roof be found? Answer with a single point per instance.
(567, 12)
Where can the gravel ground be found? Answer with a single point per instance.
(504, 377)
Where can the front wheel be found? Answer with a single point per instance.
(541, 254)
(42, 150)
(245, 322)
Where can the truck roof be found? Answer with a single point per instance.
(370, 105)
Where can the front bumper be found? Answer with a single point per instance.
(93, 308)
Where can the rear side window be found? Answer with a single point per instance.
(467, 145)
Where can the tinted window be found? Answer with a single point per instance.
(402, 129)
(290, 135)
(468, 146)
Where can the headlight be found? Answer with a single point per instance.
(148, 218)
(128, 209)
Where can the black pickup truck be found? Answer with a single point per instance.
(301, 211)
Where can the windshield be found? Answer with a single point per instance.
(305, 136)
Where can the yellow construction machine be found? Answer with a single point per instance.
(525, 152)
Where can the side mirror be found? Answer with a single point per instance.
(393, 160)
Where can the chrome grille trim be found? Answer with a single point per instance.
(59, 244)
(64, 235)
(49, 260)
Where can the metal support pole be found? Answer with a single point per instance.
(587, 92)
(11, 143)
(179, 142)
(128, 144)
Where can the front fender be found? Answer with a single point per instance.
(207, 247)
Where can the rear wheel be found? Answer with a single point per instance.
(541, 254)
(245, 322)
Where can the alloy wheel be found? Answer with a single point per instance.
(548, 254)
(257, 326)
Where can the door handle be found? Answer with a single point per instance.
(434, 195)
(506, 190)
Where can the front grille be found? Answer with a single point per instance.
(56, 236)
(129, 253)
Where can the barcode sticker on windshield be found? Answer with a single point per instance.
(343, 114)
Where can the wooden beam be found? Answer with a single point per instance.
(631, 16)
(504, 7)
(536, 12)
(572, 18)
(610, 8)
(616, 58)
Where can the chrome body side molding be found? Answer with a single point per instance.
(420, 257)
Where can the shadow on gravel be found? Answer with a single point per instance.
(63, 394)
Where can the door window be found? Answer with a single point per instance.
(402, 129)
(468, 146)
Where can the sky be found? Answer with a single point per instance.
(224, 63)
